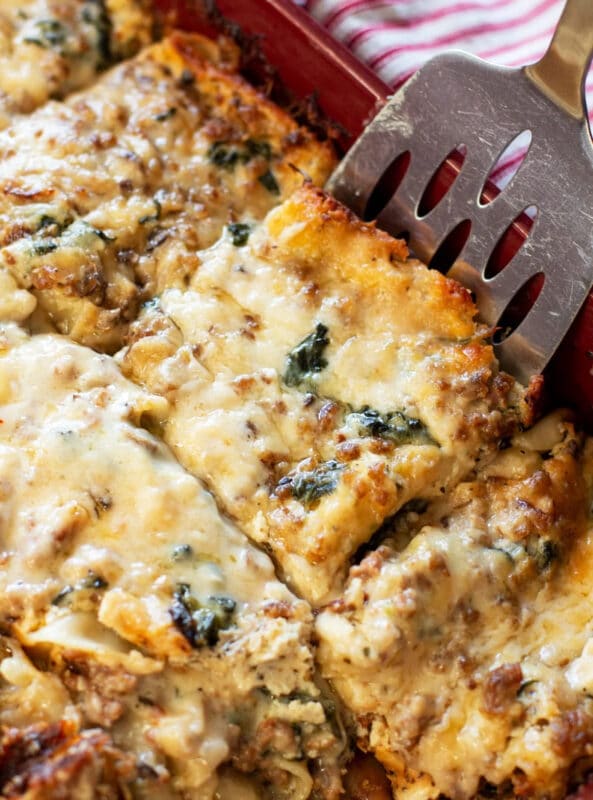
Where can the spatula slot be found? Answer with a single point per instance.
(519, 307)
(386, 186)
(442, 180)
(505, 167)
(511, 241)
(450, 248)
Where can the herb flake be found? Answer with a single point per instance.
(307, 359)
(239, 233)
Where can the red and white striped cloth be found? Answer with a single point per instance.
(395, 37)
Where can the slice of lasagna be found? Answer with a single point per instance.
(147, 646)
(319, 380)
(49, 48)
(464, 644)
(109, 196)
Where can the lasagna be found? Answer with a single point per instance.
(265, 495)
(140, 625)
(318, 381)
(51, 47)
(110, 196)
(463, 643)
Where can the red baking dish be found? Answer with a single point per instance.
(308, 61)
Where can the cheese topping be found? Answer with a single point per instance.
(109, 197)
(163, 624)
(49, 48)
(463, 644)
(318, 381)
(285, 364)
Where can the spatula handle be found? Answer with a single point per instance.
(561, 73)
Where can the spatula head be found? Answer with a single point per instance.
(458, 101)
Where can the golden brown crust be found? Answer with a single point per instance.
(51, 762)
(128, 181)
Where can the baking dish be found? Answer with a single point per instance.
(309, 62)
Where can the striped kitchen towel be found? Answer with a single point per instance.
(395, 37)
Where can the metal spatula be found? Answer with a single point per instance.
(458, 102)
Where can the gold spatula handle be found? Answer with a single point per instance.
(561, 73)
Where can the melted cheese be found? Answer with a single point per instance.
(101, 529)
(463, 645)
(49, 48)
(398, 338)
(107, 198)
(318, 382)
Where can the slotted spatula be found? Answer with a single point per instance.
(459, 103)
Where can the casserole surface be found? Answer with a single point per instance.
(282, 373)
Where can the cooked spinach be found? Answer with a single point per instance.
(394, 426)
(310, 486)
(526, 685)
(239, 233)
(93, 581)
(101, 234)
(47, 221)
(80, 590)
(51, 34)
(164, 115)
(228, 155)
(156, 238)
(544, 553)
(201, 622)
(269, 182)
(44, 246)
(307, 359)
(62, 595)
(79, 234)
(93, 13)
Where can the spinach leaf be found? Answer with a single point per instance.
(545, 553)
(164, 115)
(201, 623)
(51, 33)
(269, 182)
(239, 233)
(182, 552)
(307, 359)
(158, 209)
(394, 426)
(80, 590)
(227, 154)
(95, 15)
(309, 487)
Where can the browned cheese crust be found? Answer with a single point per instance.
(49, 48)
(462, 644)
(318, 380)
(107, 198)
